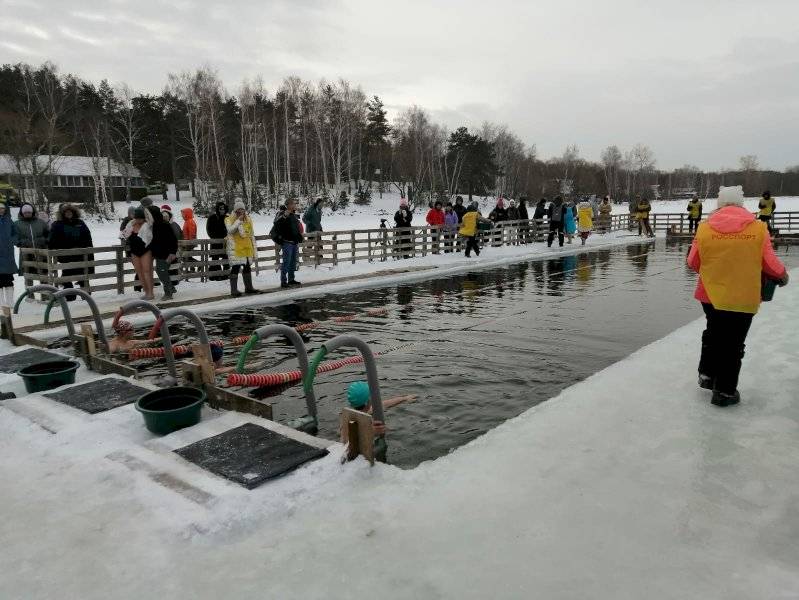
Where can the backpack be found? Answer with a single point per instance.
(274, 235)
(557, 213)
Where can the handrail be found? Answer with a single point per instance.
(375, 399)
(261, 335)
(199, 327)
(98, 321)
(52, 290)
(165, 338)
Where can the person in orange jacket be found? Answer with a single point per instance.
(189, 224)
(189, 233)
(732, 252)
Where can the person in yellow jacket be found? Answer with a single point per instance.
(241, 249)
(694, 213)
(585, 220)
(731, 252)
(767, 207)
(642, 210)
(469, 229)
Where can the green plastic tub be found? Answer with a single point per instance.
(170, 409)
(48, 375)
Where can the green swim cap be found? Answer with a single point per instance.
(358, 394)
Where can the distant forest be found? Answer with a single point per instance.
(306, 139)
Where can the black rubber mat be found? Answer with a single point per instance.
(11, 363)
(99, 395)
(249, 454)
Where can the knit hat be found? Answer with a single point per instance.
(358, 394)
(216, 353)
(732, 195)
(145, 202)
(239, 205)
(500, 203)
(123, 327)
(138, 213)
(166, 207)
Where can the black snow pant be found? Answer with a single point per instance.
(723, 347)
(555, 227)
(471, 244)
(692, 224)
(767, 220)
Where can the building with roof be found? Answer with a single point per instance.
(72, 178)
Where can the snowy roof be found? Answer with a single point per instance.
(70, 165)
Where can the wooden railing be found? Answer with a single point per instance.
(109, 267)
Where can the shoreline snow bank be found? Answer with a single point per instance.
(628, 484)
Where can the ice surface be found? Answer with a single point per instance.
(629, 484)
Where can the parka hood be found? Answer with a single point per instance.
(186, 213)
(730, 219)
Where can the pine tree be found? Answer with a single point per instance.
(476, 162)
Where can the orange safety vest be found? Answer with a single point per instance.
(730, 266)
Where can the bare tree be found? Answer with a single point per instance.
(612, 162)
(127, 132)
(34, 129)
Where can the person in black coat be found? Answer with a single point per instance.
(557, 218)
(402, 220)
(217, 230)
(164, 247)
(459, 209)
(66, 233)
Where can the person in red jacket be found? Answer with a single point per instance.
(435, 218)
(732, 252)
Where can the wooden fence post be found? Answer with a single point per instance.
(352, 241)
(120, 260)
(335, 249)
(86, 269)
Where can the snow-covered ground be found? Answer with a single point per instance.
(629, 484)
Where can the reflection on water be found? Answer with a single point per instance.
(486, 345)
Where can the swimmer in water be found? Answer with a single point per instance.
(358, 397)
(123, 338)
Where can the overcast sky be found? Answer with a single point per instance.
(700, 81)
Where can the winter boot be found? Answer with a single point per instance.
(722, 399)
(705, 382)
(248, 289)
(234, 286)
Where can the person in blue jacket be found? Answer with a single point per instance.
(569, 220)
(8, 266)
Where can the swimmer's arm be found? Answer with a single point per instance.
(391, 402)
(248, 368)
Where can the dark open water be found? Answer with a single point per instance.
(487, 345)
